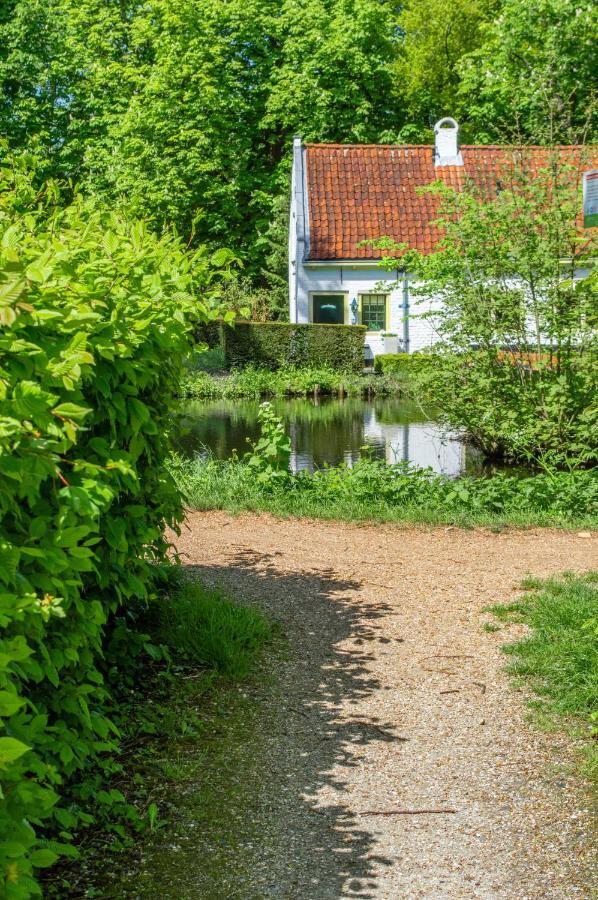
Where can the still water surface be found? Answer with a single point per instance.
(329, 432)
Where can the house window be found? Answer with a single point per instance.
(373, 311)
(329, 309)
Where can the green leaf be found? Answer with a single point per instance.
(10, 750)
(10, 703)
(71, 411)
(42, 858)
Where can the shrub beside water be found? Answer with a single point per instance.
(253, 383)
(96, 312)
(275, 344)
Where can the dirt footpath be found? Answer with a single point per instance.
(394, 698)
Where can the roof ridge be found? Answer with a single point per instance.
(462, 146)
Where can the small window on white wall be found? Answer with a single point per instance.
(373, 311)
(329, 309)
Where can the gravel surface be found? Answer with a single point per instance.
(393, 698)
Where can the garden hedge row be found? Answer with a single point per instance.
(209, 333)
(95, 313)
(275, 344)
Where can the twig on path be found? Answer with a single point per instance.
(406, 812)
(453, 691)
(373, 725)
(449, 656)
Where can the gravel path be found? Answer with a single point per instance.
(394, 698)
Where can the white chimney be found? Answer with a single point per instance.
(446, 143)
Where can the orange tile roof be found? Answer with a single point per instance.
(358, 192)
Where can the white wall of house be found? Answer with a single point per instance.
(354, 280)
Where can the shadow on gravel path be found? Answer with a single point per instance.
(249, 826)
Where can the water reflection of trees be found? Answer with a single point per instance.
(323, 432)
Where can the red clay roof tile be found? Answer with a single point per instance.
(364, 192)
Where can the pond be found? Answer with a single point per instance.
(330, 432)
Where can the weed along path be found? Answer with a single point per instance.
(391, 759)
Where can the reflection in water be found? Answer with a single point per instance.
(327, 432)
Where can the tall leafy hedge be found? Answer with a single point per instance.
(274, 344)
(95, 316)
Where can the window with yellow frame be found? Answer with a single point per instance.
(373, 311)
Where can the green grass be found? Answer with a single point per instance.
(253, 383)
(372, 491)
(558, 659)
(202, 627)
(186, 654)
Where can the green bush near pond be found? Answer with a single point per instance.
(96, 315)
(253, 383)
(404, 364)
(373, 491)
(276, 344)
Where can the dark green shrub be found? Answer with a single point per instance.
(275, 344)
(96, 314)
(209, 333)
(403, 363)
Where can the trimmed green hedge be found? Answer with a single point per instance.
(209, 333)
(403, 363)
(275, 344)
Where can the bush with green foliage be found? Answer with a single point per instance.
(518, 322)
(270, 455)
(284, 382)
(275, 344)
(96, 315)
(405, 364)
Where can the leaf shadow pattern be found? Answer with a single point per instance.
(272, 817)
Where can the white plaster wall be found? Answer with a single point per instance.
(354, 281)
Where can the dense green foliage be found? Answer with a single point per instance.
(516, 364)
(371, 490)
(275, 344)
(270, 455)
(185, 109)
(286, 382)
(97, 314)
(559, 658)
(404, 364)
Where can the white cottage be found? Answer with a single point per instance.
(344, 194)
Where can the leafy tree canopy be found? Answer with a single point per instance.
(184, 110)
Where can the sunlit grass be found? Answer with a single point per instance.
(558, 659)
(203, 627)
(374, 492)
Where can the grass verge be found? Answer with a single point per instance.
(188, 655)
(373, 491)
(253, 383)
(558, 659)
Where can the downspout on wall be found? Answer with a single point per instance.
(405, 311)
(297, 228)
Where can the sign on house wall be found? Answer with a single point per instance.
(590, 199)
